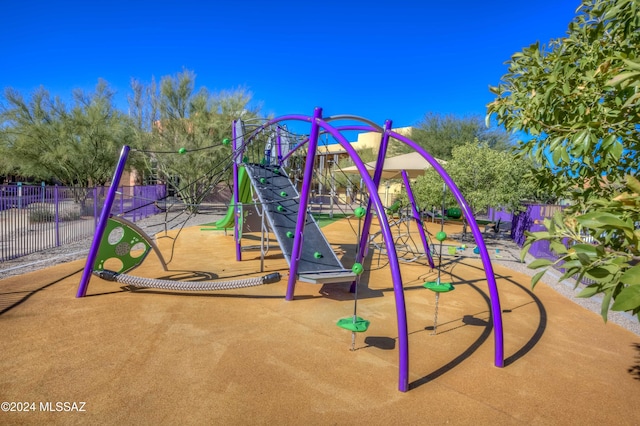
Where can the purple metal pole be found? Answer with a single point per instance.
(95, 207)
(56, 203)
(496, 311)
(396, 276)
(279, 145)
(416, 216)
(236, 193)
(377, 177)
(304, 200)
(102, 224)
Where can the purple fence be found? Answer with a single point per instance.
(502, 215)
(36, 218)
(532, 220)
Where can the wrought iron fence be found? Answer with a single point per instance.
(36, 218)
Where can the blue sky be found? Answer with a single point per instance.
(381, 60)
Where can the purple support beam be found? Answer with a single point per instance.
(416, 216)
(377, 177)
(236, 190)
(496, 311)
(279, 145)
(396, 276)
(304, 201)
(102, 224)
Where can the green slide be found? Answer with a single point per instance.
(244, 194)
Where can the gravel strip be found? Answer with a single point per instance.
(510, 258)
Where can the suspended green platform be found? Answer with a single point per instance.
(355, 324)
(438, 287)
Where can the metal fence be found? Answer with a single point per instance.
(36, 218)
(532, 220)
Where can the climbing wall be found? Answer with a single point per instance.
(318, 263)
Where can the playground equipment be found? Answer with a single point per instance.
(244, 197)
(404, 243)
(355, 323)
(286, 209)
(438, 286)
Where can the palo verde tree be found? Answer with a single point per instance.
(578, 98)
(186, 133)
(76, 145)
(486, 177)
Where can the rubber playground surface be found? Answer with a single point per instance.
(248, 356)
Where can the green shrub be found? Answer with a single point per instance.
(41, 214)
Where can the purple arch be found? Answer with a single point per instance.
(318, 123)
(401, 315)
(496, 311)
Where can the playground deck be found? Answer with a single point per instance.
(248, 356)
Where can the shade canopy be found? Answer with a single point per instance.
(413, 163)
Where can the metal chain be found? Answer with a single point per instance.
(435, 318)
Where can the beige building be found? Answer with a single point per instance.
(330, 154)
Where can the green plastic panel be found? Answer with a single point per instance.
(438, 287)
(356, 324)
(124, 243)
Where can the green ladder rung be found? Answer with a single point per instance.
(356, 324)
(438, 287)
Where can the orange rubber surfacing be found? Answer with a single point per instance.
(248, 356)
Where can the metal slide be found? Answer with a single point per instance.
(317, 263)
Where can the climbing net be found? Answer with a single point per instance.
(129, 244)
(405, 238)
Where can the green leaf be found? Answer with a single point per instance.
(631, 64)
(589, 291)
(606, 302)
(539, 263)
(628, 299)
(558, 247)
(555, 156)
(574, 263)
(633, 184)
(584, 259)
(536, 278)
(580, 248)
(616, 151)
(601, 219)
(631, 100)
(540, 235)
(622, 77)
(569, 273)
(597, 273)
(631, 276)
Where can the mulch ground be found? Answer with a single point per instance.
(248, 356)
